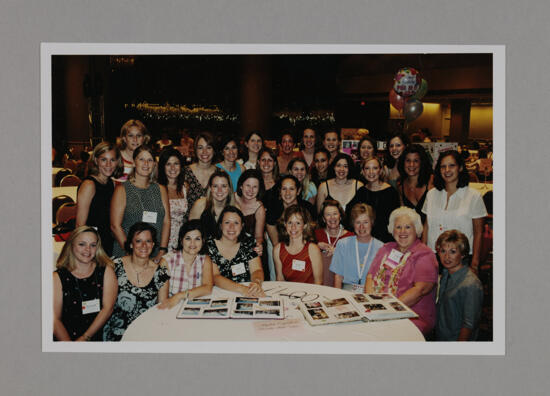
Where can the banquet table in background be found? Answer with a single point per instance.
(162, 325)
(70, 191)
(482, 187)
(54, 174)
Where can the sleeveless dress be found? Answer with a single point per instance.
(418, 207)
(178, 215)
(291, 275)
(99, 215)
(330, 197)
(132, 300)
(139, 200)
(74, 292)
(195, 190)
(234, 176)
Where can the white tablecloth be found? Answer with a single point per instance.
(70, 191)
(162, 325)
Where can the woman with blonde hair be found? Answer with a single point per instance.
(298, 168)
(139, 199)
(132, 135)
(84, 288)
(96, 190)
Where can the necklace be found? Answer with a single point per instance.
(137, 273)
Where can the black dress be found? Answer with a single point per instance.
(418, 207)
(99, 215)
(383, 202)
(75, 291)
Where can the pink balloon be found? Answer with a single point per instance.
(396, 100)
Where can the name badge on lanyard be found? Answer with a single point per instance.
(90, 306)
(357, 288)
(393, 259)
(298, 265)
(238, 269)
(361, 265)
(149, 217)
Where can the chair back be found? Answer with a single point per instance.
(60, 175)
(70, 180)
(65, 212)
(58, 201)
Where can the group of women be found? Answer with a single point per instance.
(174, 231)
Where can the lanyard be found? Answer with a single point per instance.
(361, 266)
(337, 236)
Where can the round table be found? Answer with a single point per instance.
(162, 325)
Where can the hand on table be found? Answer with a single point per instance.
(170, 302)
(254, 290)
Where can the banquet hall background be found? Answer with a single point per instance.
(176, 96)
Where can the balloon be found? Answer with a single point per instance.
(421, 91)
(413, 109)
(406, 81)
(396, 100)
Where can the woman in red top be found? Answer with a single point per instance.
(296, 258)
(328, 234)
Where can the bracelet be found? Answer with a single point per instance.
(87, 337)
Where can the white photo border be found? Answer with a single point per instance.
(495, 347)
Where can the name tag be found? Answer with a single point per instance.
(357, 288)
(298, 265)
(393, 259)
(149, 217)
(90, 306)
(238, 269)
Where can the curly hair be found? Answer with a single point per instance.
(351, 166)
(425, 165)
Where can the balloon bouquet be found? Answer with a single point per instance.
(408, 89)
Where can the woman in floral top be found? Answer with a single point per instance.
(232, 252)
(406, 268)
(141, 282)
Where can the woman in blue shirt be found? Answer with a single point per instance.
(353, 256)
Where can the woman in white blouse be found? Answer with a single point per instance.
(454, 205)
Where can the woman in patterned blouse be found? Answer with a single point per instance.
(234, 257)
